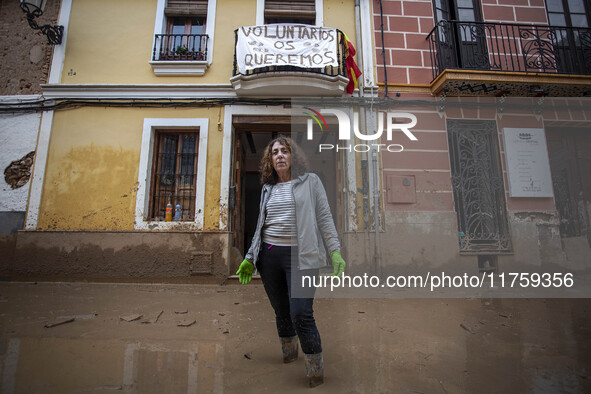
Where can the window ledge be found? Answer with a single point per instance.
(165, 68)
(168, 226)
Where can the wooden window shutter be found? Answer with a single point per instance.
(294, 8)
(186, 8)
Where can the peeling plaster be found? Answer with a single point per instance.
(18, 172)
(550, 218)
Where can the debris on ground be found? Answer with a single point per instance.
(79, 317)
(58, 322)
(466, 328)
(153, 319)
(186, 323)
(130, 318)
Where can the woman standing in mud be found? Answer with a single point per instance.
(294, 219)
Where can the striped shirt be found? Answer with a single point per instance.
(280, 222)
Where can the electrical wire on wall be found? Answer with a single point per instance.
(370, 102)
(56, 104)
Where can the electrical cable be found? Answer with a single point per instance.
(55, 104)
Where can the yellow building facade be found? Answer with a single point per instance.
(130, 79)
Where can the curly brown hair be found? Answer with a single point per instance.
(299, 162)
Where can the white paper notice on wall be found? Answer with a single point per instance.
(285, 45)
(528, 166)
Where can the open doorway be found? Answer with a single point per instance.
(251, 136)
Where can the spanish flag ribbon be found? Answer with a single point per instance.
(353, 71)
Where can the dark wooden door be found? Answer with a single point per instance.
(570, 164)
(461, 35)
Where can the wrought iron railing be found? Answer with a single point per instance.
(180, 47)
(340, 69)
(478, 188)
(509, 47)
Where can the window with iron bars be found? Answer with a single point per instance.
(174, 173)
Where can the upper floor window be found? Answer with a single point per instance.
(290, 11)
(460, 38)
(460, 10)
(570, 13)
(186, 25)
(569, 22)
(183, 37)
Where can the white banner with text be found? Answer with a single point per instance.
(286, 45)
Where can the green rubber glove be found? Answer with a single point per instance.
(245, 272)
(338, 263)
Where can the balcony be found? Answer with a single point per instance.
(290, 80)
(502, 58)
(180, 54)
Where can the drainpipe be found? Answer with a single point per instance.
(370, 171)
(362, 121)
(377, 211)
(359, 43)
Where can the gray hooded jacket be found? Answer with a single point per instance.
(313, 222)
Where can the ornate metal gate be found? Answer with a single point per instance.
(478, 187)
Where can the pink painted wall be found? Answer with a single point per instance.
(427, 160)
(407, 24)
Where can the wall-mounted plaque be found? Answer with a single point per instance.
(528, 166)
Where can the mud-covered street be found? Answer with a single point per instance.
(152, 338)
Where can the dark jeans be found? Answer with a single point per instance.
(292, 315)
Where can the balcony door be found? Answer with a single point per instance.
(570, 163)
(461, 35)
(569, 20)
(184, 37)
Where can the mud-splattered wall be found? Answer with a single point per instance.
(92, 172)
(25, 57)
(18, 137)
(114, 255)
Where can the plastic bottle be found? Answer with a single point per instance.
(168, 217)
(178, 211)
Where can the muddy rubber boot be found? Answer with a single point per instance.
(289, 346)
(314, 369)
